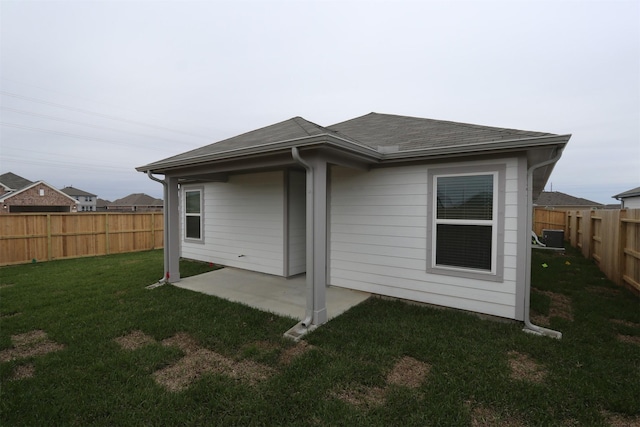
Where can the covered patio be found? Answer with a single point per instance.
(279, 295)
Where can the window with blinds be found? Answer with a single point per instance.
(464, 221)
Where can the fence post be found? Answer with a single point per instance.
(153, 230)
(49, 255)
(622, 243)
(106, 233)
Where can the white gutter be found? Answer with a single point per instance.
(165, 218)
(310, 258)
(528, 326)
(265, 148)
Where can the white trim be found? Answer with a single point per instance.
(185, 214)
(493, 223)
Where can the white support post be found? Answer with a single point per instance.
(171, 231)
(319, 240)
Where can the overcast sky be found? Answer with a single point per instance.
(90, 90)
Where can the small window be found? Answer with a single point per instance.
(193, 214)
(42, 192)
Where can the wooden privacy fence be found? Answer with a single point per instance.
(548, 219)
(49, 236)
(612, 239)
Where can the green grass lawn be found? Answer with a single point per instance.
(193, 359)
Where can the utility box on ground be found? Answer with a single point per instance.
(553, 238)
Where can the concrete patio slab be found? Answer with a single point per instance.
(275, 294)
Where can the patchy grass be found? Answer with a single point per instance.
(124, 355)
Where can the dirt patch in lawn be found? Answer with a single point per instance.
(134, 340)
(199, 361)
(625, 323)
(29, 344)
(617, 420)
(631, 339)
(183, 341)
(5, 285)
(9, 315)
(485, 417)
(22, 372)
(559, 306)
(291, 353)
(408, 372)
(361, 396)
(524, 368)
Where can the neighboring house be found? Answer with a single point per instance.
(101, 204)
(426, 210)
(562, 201)
(86, 201)
(630, 199)
(21, 195)
(137, 202)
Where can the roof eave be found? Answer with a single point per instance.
(365, 152)
(477, 148)
(264, 149)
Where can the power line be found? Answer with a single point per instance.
(68, 134)
(59, 119)
(94, 113)
(66, 165)
(93, 101)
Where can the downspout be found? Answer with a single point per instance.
(165, 218)
(310, 215)
(528, 326)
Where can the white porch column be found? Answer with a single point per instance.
(317, 244)
(171, 231)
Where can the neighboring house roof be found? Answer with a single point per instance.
(7, 196)
(71, 191)
(100, 203)
(373, 139)
(556, 198)
(137, 199)
(12, 182)
(634, 192)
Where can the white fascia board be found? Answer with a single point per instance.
(477, 148)
(270, 148)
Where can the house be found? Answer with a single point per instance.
(101, 204)
(19, 195)
(426, 210)
(86, 201)
(561, 201)
(137, 202)
(630, 199)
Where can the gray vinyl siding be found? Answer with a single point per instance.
(244, 223)
(378, 240)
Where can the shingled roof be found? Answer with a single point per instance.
(629, 193)
(379, 137)
(71, 191)
(408, 133)
(14, 182)
(288, 130)
(137, 199)
(556, 198)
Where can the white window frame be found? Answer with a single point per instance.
(186, 214)
(497, 222)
